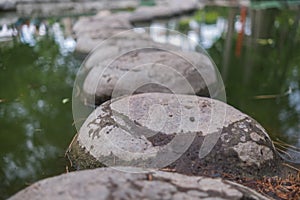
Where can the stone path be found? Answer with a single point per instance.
(117, 51)
(90, 31)
(154, 120)
(192, 135)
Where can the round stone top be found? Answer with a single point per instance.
(108, 183)
(151, 70)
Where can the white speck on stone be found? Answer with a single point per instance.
(243, 138)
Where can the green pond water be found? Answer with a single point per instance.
(35, 111)
(260, 70)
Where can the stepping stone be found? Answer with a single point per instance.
(108, 183)
(120, 44)
(190, 134)
(98, 23)
(90, 41)
(90, 31)
(150, 70)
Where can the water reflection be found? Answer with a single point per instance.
(66, 44)
(30, 30)
(36, 73)
(7, 32)
(204, 34)
(27, 34)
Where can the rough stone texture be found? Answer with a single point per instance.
(150, 70)
(107, 183)
(154, 130)
(90, 31)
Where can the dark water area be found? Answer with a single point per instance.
(36, 81)
(257, 53)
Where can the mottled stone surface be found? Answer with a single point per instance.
(101, 21)
(107, 183)
(91, 31)
(96, 40)
(150, 70)
(193, 135)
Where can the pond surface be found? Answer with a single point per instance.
(258, 57)
(36, 80)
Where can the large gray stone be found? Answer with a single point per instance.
(143, 14)
(86, 43)
(127, 41)
(110, 41)
(93, 25)
(150, 70)
(107, 183)
(192, 135)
